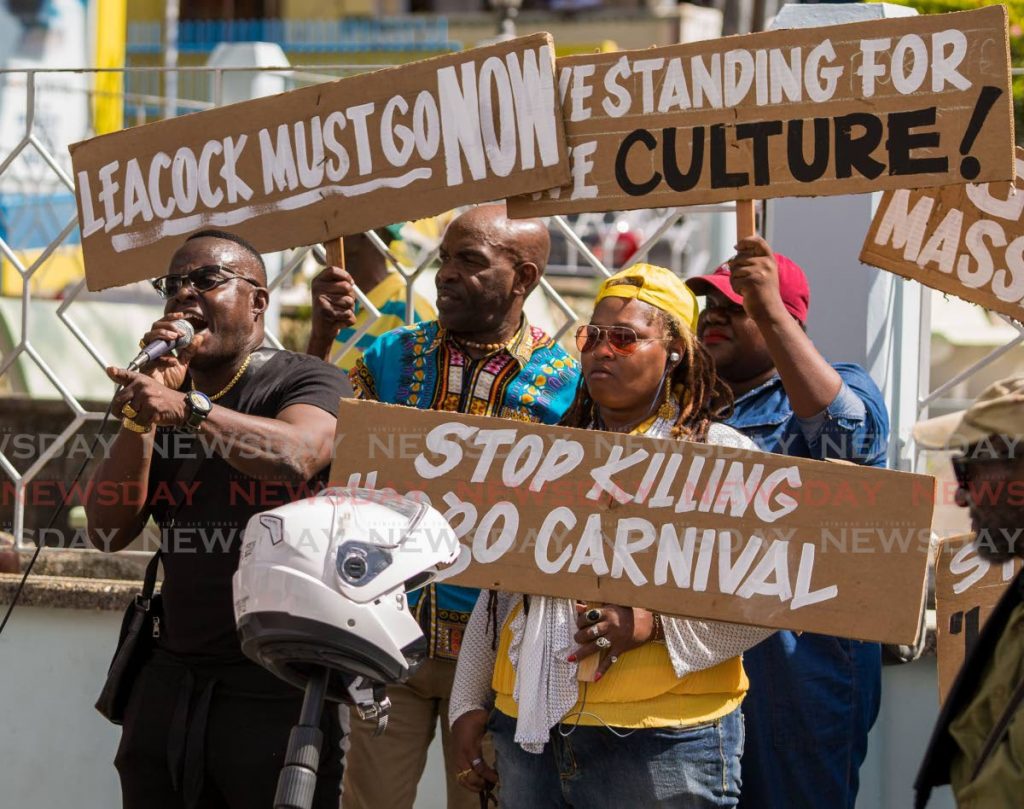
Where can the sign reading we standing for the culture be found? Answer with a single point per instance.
(683, 528)
(895, 103)
(967, 240)
(324, 161)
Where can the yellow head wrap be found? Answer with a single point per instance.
(661, 288)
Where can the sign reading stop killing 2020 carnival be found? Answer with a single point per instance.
(324, 161)
(896, 103)
(679, 527)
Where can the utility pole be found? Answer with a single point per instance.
(171, 13)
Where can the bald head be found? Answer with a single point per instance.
(489, 265)
(525, 240)
(247, 258)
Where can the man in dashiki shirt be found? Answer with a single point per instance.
(480, 356)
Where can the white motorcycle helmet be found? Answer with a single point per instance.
(322, 582)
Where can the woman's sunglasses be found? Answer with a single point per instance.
(621, 339)
(202, 279)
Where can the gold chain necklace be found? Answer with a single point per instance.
(223, 391)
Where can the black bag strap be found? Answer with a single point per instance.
(999, 729)
(186, 475)
(149, 581)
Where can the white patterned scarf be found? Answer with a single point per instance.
(546, 688)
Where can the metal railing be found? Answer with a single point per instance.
(37, 219)
(35, 160)
(339, 35)
(939, 398)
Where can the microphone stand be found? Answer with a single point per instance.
(296, 784)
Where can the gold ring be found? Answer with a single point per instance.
(128, 424)
(460, 775)
(142, 343)
(129, 411)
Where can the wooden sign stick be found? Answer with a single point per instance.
(587, 667)
(335, 249)
(746, 222)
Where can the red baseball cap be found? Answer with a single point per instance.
(793, 287)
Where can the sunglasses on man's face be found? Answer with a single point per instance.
(621, 339)
(202, 279)
(965, 468)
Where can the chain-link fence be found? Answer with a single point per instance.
(43, 287)
(42, 111)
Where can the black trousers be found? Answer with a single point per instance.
(213, 736)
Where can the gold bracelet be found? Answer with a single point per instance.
(135, 427)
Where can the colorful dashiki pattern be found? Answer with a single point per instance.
(530, 379)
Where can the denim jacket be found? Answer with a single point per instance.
(854, 427)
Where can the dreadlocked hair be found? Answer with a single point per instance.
(492, 615)
(703, 397)
(492, 618)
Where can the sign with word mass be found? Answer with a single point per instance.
(683, 528)
(324, 161)
(895, 103)
(967, 240)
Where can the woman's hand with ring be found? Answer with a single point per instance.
(619, 630)
(468, 732)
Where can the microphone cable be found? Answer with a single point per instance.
(57, 512)
(140, 360)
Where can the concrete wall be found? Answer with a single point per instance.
(55, 750)
(910, 706)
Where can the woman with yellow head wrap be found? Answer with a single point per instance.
(644, 359)
(660, 725)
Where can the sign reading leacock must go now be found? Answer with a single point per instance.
(908, 102)
(324, 161)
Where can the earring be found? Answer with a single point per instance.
(667, 409)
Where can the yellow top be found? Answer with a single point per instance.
(661, 288)
(640, 691)
(1000, 782)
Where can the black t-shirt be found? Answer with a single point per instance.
(201, 545)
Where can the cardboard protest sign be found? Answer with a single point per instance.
(891, 103)
(967, 589)
(682, 528)
(967, 240)
(324, 161)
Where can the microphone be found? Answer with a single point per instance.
(158, 348)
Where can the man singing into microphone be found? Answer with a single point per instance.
(226, 429)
